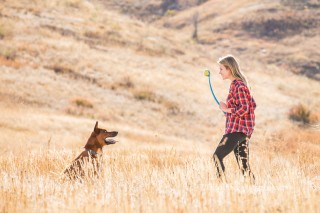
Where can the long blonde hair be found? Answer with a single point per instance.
(232, 64)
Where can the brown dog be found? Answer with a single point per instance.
(87, 164)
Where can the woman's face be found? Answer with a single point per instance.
(224, 72)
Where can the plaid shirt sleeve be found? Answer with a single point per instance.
(242, 101)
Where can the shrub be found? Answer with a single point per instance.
(9, 54)
(73, 3)
(127, 83)
(144, 95)
(5, 29)
(60, 69)
(301, 113)
(172, 108)
(82, 102)
(92, 34)
(80, 106)
(170, 13)
(2, 32)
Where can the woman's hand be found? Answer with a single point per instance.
(224, 107)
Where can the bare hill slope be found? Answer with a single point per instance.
(285, 33)
(69, 60)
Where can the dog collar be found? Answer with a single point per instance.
(91, 152)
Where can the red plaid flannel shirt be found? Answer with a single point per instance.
(242, 104)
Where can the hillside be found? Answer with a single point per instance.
(56, 55)
(66, 64)
(269, 27)
(284, 33)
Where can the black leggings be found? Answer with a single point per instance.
(237, 142)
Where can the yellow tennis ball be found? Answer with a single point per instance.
(206, 73)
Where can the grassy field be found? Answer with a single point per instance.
(166, 179)
(146, 172)
(66, 64)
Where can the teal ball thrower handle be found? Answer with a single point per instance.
(207, 73)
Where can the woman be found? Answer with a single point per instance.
(240, 118)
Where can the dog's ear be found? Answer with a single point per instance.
(96, 130)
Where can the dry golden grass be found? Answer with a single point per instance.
(150, 173)
(153, 180)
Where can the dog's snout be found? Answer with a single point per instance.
(114, 134)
